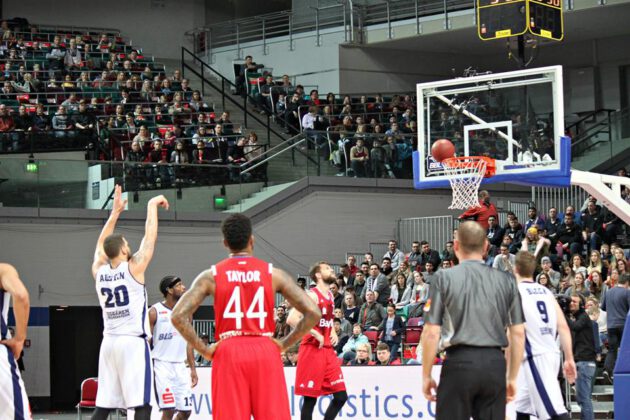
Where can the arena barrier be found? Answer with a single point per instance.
(375, 393)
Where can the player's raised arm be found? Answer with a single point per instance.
(142, 258)
(202, 287)
(11, 283)
(118, 207)
(284, 284)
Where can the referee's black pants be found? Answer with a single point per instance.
(472, 384)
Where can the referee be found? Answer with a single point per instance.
(470, 306)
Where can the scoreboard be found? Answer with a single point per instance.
(505, 18)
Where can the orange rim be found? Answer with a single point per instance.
(464, 162)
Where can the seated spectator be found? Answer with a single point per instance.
(372, 313)
(55, 57)
(136, 171)
(84, 119)
(197, 104)
(516, 234)
(241, 82)
(543, 280)
(429, 272)
(405, 270)
(534, 220)
(62, 124)
(41, 122)
(578, 286)
(391, 330)
(552, 276)
(143, 136)
(179, 155)
(350, 307)
(552, 224)
(378, 284)
(596, 285)
(342, 336)
(71, 104)
(282, 328)
(395, 255)
(385, 356)
(363, 356)
(292, 355)
(357, 338)
(448, 253)
(504, 261)
(596, 264)
(535, 244)
(360, 159)
(569, 237)
(73, 57)
(346, 326)
(400, 294)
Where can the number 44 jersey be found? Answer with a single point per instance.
(244, 297)
(541, 318)
(123, 300)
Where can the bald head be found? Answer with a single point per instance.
(471, 238)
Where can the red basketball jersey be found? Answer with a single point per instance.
(326, 305)
(244, 297)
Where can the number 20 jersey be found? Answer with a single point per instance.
(541, 319)
(244, 297)
(123, 301)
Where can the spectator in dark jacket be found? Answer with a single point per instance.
(569, 238)
(391, 330)
(372, 313)
(428, 255)
(584, 353)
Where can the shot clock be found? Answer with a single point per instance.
(505, 18)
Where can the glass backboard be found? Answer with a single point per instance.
(515, 117)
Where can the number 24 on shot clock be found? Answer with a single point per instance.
(505, 18)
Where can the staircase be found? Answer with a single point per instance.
(599, 140)
(603, 407)
(258, 197)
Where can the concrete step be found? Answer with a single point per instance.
(602, 410)
(258, 197)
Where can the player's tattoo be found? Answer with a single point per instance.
(186, 307)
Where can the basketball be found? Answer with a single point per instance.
(442, 149)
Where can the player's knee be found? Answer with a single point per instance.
(183, 415)
(168, 414)
(142, 413)
(341, 397)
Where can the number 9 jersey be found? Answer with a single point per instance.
(123, 300)
(244, 297)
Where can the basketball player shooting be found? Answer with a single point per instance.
(247, 372)
(124, 365)
(173, 383)
(319, 372)
(13, 399)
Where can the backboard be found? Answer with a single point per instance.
(515, 117)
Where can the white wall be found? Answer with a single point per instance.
(306, 57)
(158, 26)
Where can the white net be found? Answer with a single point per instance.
(465, 175)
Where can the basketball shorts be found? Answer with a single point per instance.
(13, 399)
(538, 391)
(124, 372)
(318, 372)
(172, 385)
(248, 380)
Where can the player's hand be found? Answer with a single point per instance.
(334, 339)
(429, 388)
(393, 333)
(208, 352)
(279, 343)
(320, 339)
(159, 201)
(510, 391)
(570, 372)
(119, 204)
(194, 379)
(14, 345)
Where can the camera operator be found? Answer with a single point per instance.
(584, 353)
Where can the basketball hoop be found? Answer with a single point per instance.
(465, 174)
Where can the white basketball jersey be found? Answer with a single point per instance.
(168, 344)
(5, 297)
(123, 300)
(541, 320)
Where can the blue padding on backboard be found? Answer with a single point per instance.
(560, 177)
(622, 376)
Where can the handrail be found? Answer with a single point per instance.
(293, 146)
(587, 116)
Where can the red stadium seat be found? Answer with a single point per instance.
(89, 387)
(372, 337)
(413, 331)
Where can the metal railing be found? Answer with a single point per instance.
(351, 18)
(586, 132)
(546, 197)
